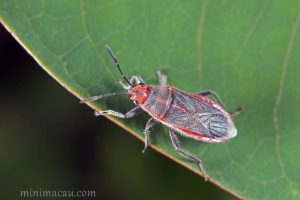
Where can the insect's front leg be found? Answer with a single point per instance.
(186, 154)
(163, 79)
(135, 80)
(133, 112)
(236, 111)
(149, 125)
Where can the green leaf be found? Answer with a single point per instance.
(247, 51)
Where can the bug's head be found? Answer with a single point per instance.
(139, 93)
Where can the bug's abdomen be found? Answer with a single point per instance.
(199, 119)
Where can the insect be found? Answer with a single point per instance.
(190, 115)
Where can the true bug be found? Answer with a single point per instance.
(191, 115)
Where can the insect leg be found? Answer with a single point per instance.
(149, 125)
(135, 80)
(133, 112)
(214, 94)
(237, 111)
(186, 154)
(95, 98)
(163, 79)
(217, 97)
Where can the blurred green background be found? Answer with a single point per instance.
(50, 141)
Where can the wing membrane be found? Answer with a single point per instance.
(192, 114)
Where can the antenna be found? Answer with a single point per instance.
(117, 63)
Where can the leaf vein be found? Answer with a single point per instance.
(250, 32)
(199, 40)
(83, 14)
(284, 68)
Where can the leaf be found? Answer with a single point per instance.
(247, 51)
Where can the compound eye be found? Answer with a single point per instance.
(142, 84)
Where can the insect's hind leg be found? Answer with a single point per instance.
(186, 154)
(236, 111)
(149, 125)
(162, 78)
(133, 112)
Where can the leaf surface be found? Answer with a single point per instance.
(247, 51)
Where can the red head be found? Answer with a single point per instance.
(139, 93)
